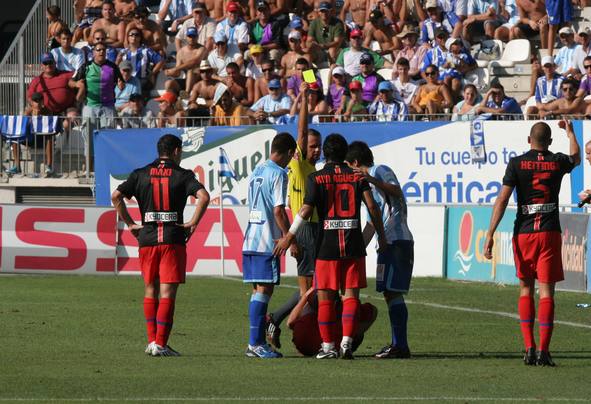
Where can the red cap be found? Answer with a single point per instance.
(314, 86)
(355, 85)
(232, 7)
(168, 97)
(356, 33)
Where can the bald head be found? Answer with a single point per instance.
(540, 135)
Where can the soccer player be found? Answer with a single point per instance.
(394, 266)
(336, 192)
(161, 189)
(536, 176)
(303, 163)
(267, 193)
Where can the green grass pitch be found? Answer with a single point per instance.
(81, 338)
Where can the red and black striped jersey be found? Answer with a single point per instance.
(161, 189)
(537, 176)
(336, 192)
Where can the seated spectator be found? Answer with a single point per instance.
(357, 9)
(510, 14)
(99, 36)
(36, 108)
(267, 31)
(410, 50)
(295, 81)
(436, 22)
(288, 61)
(326, 33)
(560, 13)
(237, 85)
(254, 68)
(565, 59)
(126, 87)
(548, 87)
(227, 112)
(169, 116)
(173, 13)
(100, 78)
(220, 56)
(465, 110)
(203, 24)
(205, 88)
(261, 86)
(584, 39)
(215, 9)
(438, 54)
(455, 12)
(54, 26)
(433, 97)
(369, 78)
(389, 9)
(337, 92)
(585, 85)
(458, 63)
(404, 88)
(87, 12)
(67, 58)
(569, 104)
(145, 62)
(377, 30)
(387, 108)
(188, 59)
(152, 34)
(412, 12)
(501, 107)
(533, 20)
(244, 9)
(124, 9)
(278, 8)
(135, 115)
(349, 57)
(355, 109)
(271, 108)
(235, 30)
(111, 24)
(317, 107)
(483, 18)
(59, 91)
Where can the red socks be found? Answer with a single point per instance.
(150, 309)
(546, 322)
(527, 315)
(349, 318)
(326, 320)
(164, 320)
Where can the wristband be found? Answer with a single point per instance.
(297, 222)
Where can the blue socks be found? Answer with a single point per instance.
(257, 310)
(398, 319)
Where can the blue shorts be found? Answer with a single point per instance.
(559, 11)
(257, 268)
(395, 267)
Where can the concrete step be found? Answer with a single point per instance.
(517, 70)
(515, 83)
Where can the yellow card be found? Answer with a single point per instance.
(309, 76)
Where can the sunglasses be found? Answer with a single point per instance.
(566, 89)
(50, 63)
(99, 38)
(267, 70)
(587, 67)
(134, 34)
(100, 49)
(141, 17)
(430, 73)
(292, 40)
(274, 89)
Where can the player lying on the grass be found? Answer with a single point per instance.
(267, 221)
(395, 263)
(161, 190)
(303, 321)
(336, 192)
(537, 242)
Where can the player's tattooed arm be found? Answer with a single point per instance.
(121, 208)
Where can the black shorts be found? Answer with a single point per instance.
(306, 240)
(527, 30)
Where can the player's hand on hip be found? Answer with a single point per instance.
(188, 228)
(135, 229)
(488, 246)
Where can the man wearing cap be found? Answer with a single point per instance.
(267, 31)
(369, 79)
(438, 54)
(221, 56)
(254, 68)
(565, 59)
(326, 32)
(337, 91)
(173, 13)
(358, 10)
(152, 33)
(484, 17)
(584, 39)
(411, 51)
(203, 25)
(356, 105)
(349, 58)
(271, 108)
(205, 88)
(294, 82)
(136, 115)
(235, 29)
(560, 12)
(296, 51)
(548, 86)
(436, 21)
(188, 59)
(386, 108)
(127, 86)
(226, 112)
(377, 30)
(113, 26)
(168, 116)
(458, 63)
(533, 20)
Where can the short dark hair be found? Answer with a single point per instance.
(302, 61)
(314, 132)
(571, 81)
(402, 62)
(64, 31)
(135, 97)
(472, 86)
(335, 148)
(167, 144)
(588, 59)
(234, 66)
(54, 10)
(361, 152)
(498, 86)
(282, 143)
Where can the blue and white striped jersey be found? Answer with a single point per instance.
(141, 60)
(267, 189)
(68, 62)
(549, 90)
(394, 211)
(565, 59)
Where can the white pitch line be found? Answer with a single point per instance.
(335, 398)
(445, 307)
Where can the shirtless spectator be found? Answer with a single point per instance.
(169, 116)
(237, 85)
(261, 86)
(124, 9)
(358, 10)
(277, 8)
(326, 32)
(111, 24)
(188, 59)
(204, 24)
(220, 57)
(412, 12)
(295, 52)
(153, 35)
(173, 13)
(215, 9)
(377, 30)
(349, 57)
(67, 58)
(410, 50)
(569, 104)
(533, 20)
(54, 26)
(267, 31)
(235, 29)
(204, 89)
(86, 12)
(389, 8)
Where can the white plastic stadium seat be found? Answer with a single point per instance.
(375, 46)
(531, 102)
(484, 63)
(386, 73)
(80, 44)
(516, 51)
(158, 89)
(480, 77)
(325, 78)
